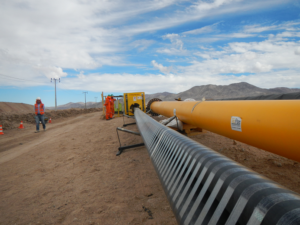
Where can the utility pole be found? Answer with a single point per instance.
(96, 102)
(85, 98)
(55, 90)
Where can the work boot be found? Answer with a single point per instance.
(45, 129)
(37, 131)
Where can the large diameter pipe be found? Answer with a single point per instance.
(270, 125)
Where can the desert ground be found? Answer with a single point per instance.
(70, 173)
(20, 108)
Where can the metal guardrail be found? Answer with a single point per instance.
(204, 187)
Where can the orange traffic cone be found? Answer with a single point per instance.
(1, 131)
(21, 125)
(50, 120)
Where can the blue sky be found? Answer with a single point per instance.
(153, 46)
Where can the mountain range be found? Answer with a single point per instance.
(209, 92)
(78, 105)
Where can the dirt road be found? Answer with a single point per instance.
(69, 174)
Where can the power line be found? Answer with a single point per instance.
(9, 77)
(55, 91)
(13, 77)
(96, 102)
(85, 98)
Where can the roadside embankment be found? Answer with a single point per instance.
(12, 120)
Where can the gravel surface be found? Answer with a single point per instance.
(69, 174)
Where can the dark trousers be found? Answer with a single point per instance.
(39, 118)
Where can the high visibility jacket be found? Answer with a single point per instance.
(41, 109)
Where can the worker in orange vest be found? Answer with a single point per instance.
(109, 104)
(39, 109)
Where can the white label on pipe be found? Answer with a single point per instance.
(174, 112)
(236, 123)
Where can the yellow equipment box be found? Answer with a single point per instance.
(132, 100)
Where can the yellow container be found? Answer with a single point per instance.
(136, 99)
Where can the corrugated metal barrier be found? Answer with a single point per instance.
(204, 187)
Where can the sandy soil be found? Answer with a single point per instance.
(8, 107)
(13, 119)
(69, 174)
(279, 169)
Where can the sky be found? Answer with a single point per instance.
(119, 46)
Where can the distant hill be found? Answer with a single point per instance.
(159, 95)
(19, 108)
(211, 91)
(80, 105)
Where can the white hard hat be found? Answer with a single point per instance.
(38, 98)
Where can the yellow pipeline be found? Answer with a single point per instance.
(270, 125)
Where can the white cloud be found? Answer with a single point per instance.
(142, 44)
(68, 34)
(202, 30)
(175, 40)
(255, 28)
(172, 51)
(241, 57)
(202, 9)
(40, 38)
(160, 67)
(288, 30)
(265, 64)
(52, 72)
(259, 67)
(176, 82)
(269, 63)
(204, 6)
(258, 28)
(176, 47)
(239, 35)
(202, 55)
